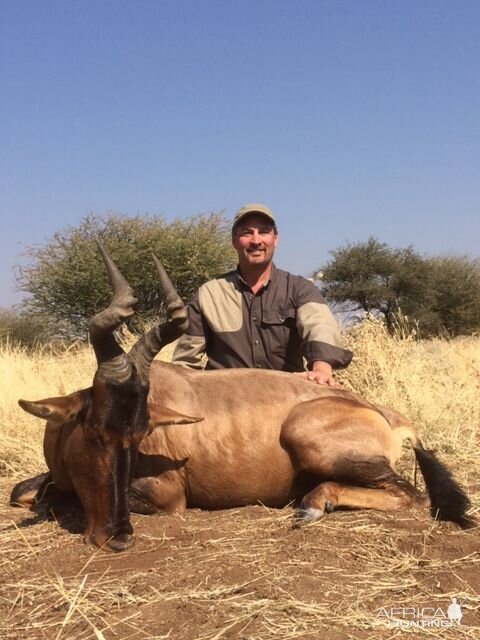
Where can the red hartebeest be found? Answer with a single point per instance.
(257, 436)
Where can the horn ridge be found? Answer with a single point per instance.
(147, 347)
(111, 358)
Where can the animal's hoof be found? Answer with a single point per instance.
(306, 515)
(329, 507)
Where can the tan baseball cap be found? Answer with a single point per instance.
(248, 209)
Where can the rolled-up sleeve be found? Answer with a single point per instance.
(318, 329)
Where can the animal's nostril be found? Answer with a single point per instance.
(122, 542)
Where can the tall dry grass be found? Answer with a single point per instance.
(31, 376)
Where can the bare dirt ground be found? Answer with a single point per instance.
(244, 573)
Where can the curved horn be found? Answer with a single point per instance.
(119, 285)
(145, 350)
(176, 310)
(113, 363)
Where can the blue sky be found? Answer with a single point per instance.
(349, 118)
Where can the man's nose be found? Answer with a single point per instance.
(255, 238)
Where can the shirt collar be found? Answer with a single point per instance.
(265, 284)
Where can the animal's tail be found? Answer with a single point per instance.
(448, 500)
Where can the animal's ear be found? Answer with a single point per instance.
(161, 416)
(56, 410)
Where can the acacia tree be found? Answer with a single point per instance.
(437, 294)
(456, 286)
(375, 278)
(65, 279)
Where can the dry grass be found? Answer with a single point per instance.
(246, 573)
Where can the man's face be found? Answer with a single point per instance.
(254, 240)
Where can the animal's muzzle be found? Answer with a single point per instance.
(122, 542)
(119, 540)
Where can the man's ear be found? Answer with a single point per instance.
(161, 416)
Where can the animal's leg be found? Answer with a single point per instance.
(353, 445)
(149, 495)
(371, 484)
(330, 495)
(27, 492)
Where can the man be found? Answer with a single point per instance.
(259, 316)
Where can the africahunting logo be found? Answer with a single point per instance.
(424, 617)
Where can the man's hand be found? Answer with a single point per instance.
(321, 373)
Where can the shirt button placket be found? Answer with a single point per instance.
(254, 330)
